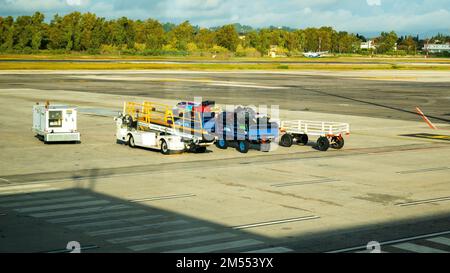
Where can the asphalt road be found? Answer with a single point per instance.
(384, 186)
(326, 94)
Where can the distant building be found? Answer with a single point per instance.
(276, 51)
(437, 48)
(368, 45)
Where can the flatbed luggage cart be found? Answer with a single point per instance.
(330, 133)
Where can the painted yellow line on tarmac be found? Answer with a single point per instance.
(430, 136)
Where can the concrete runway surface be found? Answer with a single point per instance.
(382, 186)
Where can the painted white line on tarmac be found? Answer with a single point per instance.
(21, 187)
(247, 86)
(418, 248)
(156, 198)
(63, 206)
(152, 236)
(218, 247)
(426, 201)
(277, 222)
(112, 222)
(23, 191)
(137, 228)
(392, 241)
(37, 195)
(44, 201)
(440, 240)
(96, 216)
(79, 211)
(271, 250)
(189, 240)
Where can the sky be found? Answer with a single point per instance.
(357, 16)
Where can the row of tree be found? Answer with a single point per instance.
(87, 32)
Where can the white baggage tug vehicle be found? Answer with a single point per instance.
(330, 133)
(155, 126)
(55, 123)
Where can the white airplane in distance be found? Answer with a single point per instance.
(315, 54)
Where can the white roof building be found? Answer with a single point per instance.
(368, 45)
(437, 48)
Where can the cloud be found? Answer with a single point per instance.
(73, 2)
(350, 15)
(374, 2)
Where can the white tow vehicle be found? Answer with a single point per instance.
(156, 126)
(330, 133)
(55, 123)
(158, 138)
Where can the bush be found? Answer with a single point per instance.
(109, 49)
(192, 47)
(93, 51)
(139, 47)
(247, 52)
(219, 50)
(162, 52)
(397, 53)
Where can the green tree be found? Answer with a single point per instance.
(227, 37)
(311, 39)
(6, 33)
(252, 40)
(92, 31)
(345, 42)
(181, 35)
(153, 34)
(409, 45)
(56, 34)
(123, 32)
(71, 26)
(204, 39)
(37, 30)
(386, 42)
(23, 32)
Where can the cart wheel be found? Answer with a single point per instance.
(164, 147)
(243, 146)
(337, 142)
(302, 139)
(222, 144)
(200, 150)
(131, 142)
(286, 140)
(323, 143)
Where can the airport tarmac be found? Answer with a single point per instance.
(390, 181)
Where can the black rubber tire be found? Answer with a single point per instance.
(243, 146)
(164, 148)
(337, 142)
(222, 144)
(287, 140)
(302, 139)
(200, 150)
(323, 144)
(131, 141)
